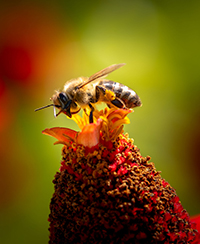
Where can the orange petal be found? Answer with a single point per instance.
(90, 134)
(118, 114)
(62, 134)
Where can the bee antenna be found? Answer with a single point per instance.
(44, 107)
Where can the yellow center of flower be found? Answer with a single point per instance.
(107, 126)
(112, 121)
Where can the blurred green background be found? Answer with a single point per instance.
(45, 43)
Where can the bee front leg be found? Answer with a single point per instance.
(91, 113)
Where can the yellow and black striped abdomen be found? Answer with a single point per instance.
(124, 93)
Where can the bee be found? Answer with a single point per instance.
(85, 92)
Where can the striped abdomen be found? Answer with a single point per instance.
(124, 93)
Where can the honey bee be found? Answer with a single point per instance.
(85, 92)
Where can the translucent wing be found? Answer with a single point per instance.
(102, 73)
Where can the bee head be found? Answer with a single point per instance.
(62, 102)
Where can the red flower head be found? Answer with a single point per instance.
(106, 192)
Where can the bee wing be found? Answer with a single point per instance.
(102, 73)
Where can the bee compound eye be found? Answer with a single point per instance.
(63, 97)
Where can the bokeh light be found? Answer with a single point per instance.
(43, 44)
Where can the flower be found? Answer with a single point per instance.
(196, 221)
(107, 192)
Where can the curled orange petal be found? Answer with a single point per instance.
(118, 114)
(62, 134)
(90, 134)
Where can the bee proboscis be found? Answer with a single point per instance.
(84, 92)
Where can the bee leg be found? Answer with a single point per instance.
(85, 111)
(76, 111)
(118, 103)
(100, 90)
(91, 113)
